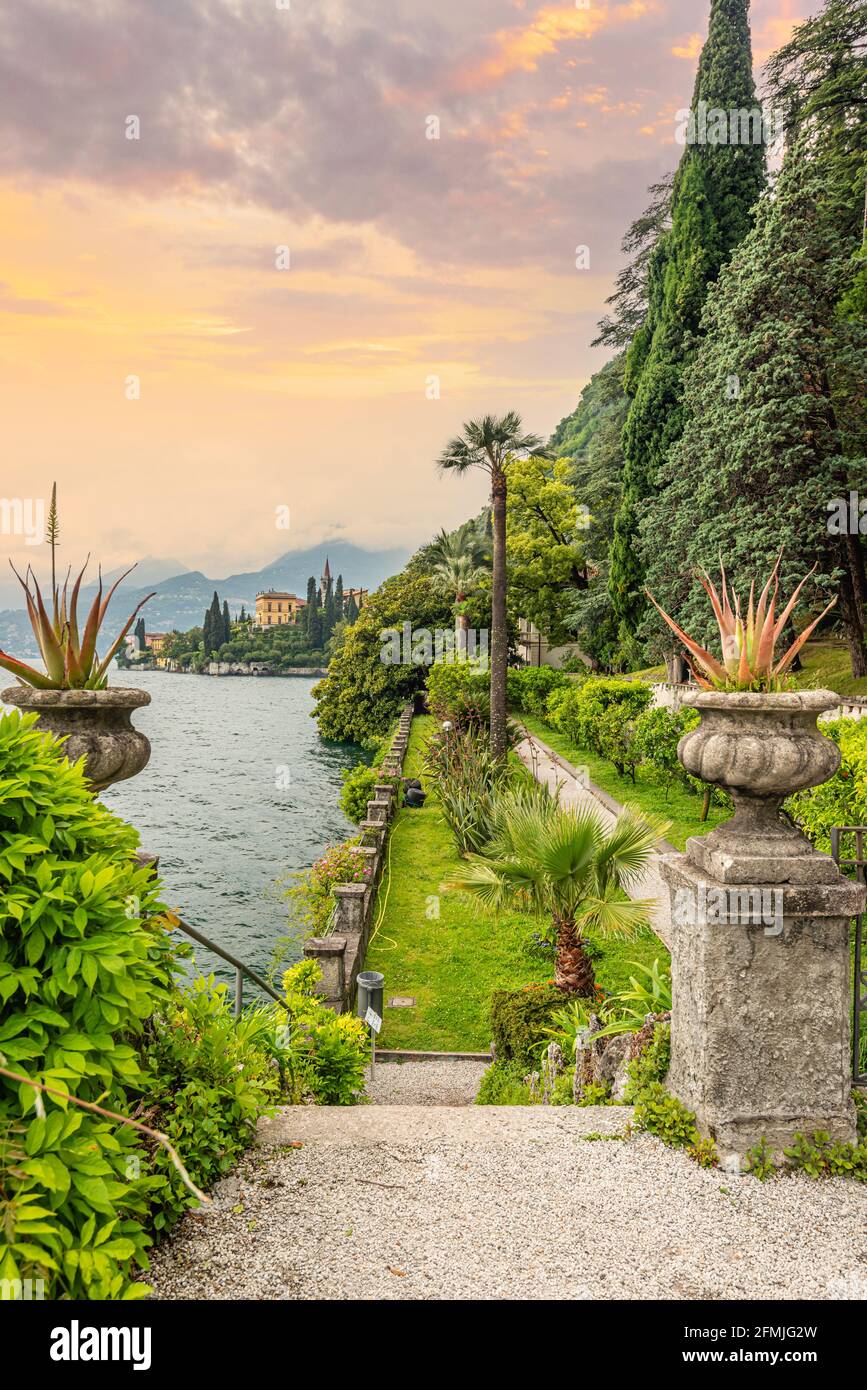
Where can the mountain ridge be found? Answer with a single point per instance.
(180, 600)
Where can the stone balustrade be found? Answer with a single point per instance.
(341, 954)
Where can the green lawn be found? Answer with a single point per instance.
(452, 963)
(681, 807)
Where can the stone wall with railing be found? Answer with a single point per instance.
(341, 952)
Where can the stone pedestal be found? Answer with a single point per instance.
(761, 987)
(760, 1033)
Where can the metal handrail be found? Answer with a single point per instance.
(241, 969)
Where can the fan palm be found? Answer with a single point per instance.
(562, 864)
(460, 558)
(491, 444)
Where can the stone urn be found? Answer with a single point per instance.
(761, 748)
(760, 926)
(96, 724)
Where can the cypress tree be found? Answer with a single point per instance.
(715, 188)
(327, 612)
(227, 622)
(311, 604)
(212, 628)
(351, 610)
(776, 428)
(339, 601)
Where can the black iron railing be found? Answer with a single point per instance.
(241, 969)
(858, 862)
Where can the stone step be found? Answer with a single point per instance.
(410, 1124)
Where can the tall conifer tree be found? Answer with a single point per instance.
(776, 428)
(716, 186)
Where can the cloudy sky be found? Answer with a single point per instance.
(269, 124)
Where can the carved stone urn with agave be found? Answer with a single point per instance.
(757, 738)
(71, 697)
(760, 920)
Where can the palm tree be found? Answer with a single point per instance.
(560, 863)
(460, 558)
(491, 443)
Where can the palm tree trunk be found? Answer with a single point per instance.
(573, 972)
(462, 624)
(499, 644)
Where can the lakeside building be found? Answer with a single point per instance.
(274, 608)
(277, 608)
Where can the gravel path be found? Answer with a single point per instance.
(402, 1202)
(535, 756)
(429, 1082)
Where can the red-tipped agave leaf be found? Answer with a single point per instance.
(705, 660)
(106, 661)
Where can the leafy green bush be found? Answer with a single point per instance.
(520, 1019)
(579, 713)
(212, 1078)
(503, 1084)
(843, 800)
(84, 961)
(614, 740)
(460, 692)
(656, 734)
(328, 1052)
(364, 690)
(357, 790)
(529, 687)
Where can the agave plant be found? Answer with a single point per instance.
(71, 659)
(749, 643)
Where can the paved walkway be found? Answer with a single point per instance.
(478, 1202)
(549, 769)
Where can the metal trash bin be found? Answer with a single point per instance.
(370, 992)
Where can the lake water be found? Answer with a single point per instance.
(239, 791)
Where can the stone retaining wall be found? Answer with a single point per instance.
(341, 953)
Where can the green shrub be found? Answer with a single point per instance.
(657, 1112)
(596, 1093)
(656, 734)
(465, 777)
(650, 1067)
(357, 790)
(843, 800)
(528, 688)
(760, 1160)
(84, 961)
(614, 740)
(327, 1052)
(213, 1077)
(503, 1084)
(460, 692)
(520, 1019)
(579, 713)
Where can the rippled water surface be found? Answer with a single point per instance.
(239, 791)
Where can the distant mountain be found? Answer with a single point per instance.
(180, 599)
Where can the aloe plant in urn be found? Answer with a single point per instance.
(760, 920)
(71, 697)
(758, 738)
